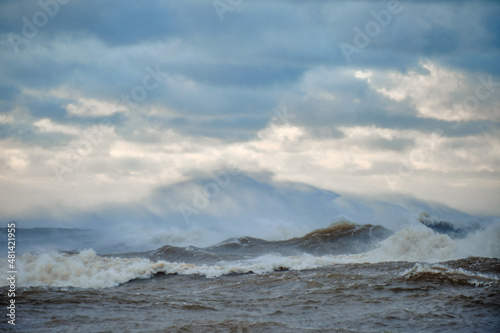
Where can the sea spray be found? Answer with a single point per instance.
(87, 269)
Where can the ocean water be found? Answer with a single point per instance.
(430, 277)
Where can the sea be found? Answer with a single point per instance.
(346, 277)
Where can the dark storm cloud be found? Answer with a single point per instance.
(244, 66)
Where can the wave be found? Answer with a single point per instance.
(340, 243)
(343, 237)
(446, 227)
(89, 270)
(442, 274)
(421, 244)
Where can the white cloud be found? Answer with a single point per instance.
(364, 75)
(120, 169)
(46, 125)
(6, 119)
(440, 94)
(89, 107)
(17, 163)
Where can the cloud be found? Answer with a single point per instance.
(410, 114)
(46, 125)
(441, 94)
(93, 108)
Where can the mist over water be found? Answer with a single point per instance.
(251, 205)
(280, 266)
(341, 243)
(411, 279)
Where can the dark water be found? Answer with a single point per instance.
(308, 284)
(340, 298)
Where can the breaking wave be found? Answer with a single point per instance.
(445, 275)
(446, 227)
(341, 243)
(89, 270)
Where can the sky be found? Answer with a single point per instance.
(147, 111)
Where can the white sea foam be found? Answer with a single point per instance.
(456, 275)
(89, 270)
(415, 244)
(419, 243)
